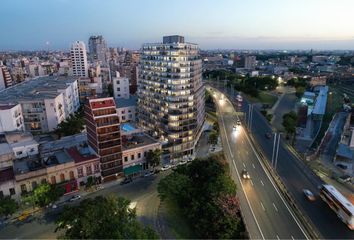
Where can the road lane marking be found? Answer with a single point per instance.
(238, 176)
(244, 165)
(276, 189)
(276, 209)
(262, 206)
(251, 182)
(253, 165)
(292, 237)
(262, 182)
(278, 237)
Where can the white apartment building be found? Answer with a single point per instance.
(35, 70)
(11, 118)
(45, 101)
(79, 59)
(121, 87)
(171, 94)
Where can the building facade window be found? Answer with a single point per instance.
(125, 159)
(96, 167)
(12, 191)
(53, 180)
(88, 170)
(23, 188)
(80, 172)
(62, 177)
(132, 157)
(71, 175)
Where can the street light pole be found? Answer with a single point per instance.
(250, 116)
(275, 151)
(274, 144)
(276, 156)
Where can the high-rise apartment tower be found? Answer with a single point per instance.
(171, 94)
(79, 59)
(103, 135)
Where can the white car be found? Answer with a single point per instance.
(166, 167)
(309, 195)
(238, 122)
(148, 174)
(245, 174)
(182, 162)
(234, 128)
(74, 198)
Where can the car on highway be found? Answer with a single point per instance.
(190, 159)
(238, 123)
(166, 167)
(245, 174)
(99, 187)
(268, 135)
(309, 195)
(234, 128)
(126, 181)
(75, 198)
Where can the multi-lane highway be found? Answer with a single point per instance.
(296, 176)
(266, 213)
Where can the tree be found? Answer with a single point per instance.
(110, 89)
(7, 206)
(216, 127)
(45, 194)
(154, 157)
(213, 138)
(72, 125)
(289, 124)
(205, 194)
(102, 218)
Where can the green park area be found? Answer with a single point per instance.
(201, 200)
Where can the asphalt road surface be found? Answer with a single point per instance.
(296, 176)
(142, 193)
(266, 213)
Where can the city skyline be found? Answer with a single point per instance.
(39, 25)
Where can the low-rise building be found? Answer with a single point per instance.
(7, 182)
(22, 144)
(134, 149)
(126, 109)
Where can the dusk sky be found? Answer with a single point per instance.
(236, 24)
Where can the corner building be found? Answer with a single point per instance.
(103, 135)
(171, 94)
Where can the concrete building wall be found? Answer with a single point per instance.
(11, 119)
